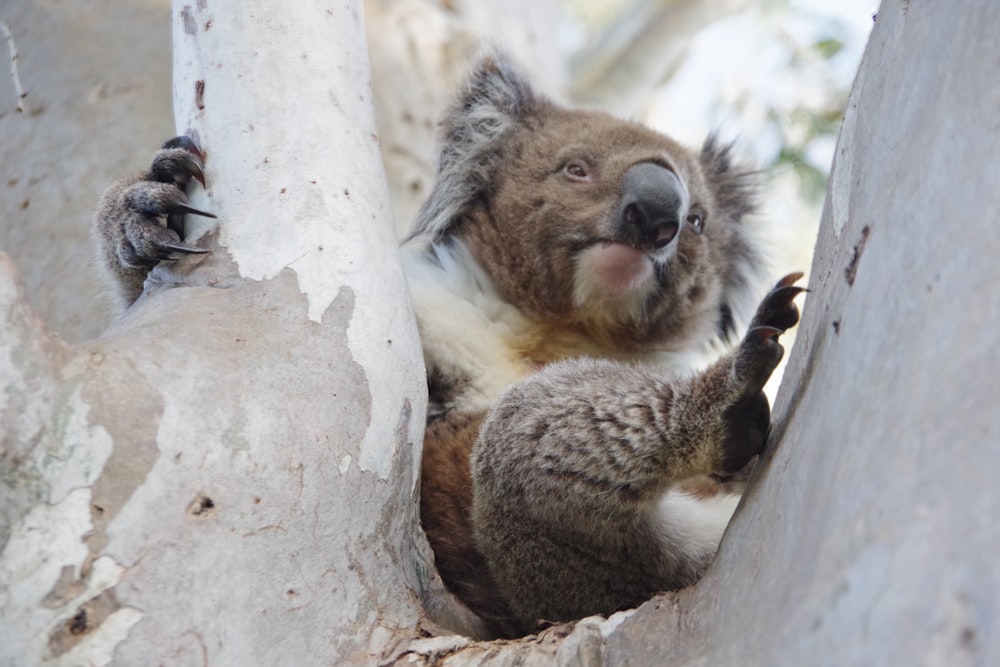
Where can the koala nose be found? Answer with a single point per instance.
(652, 205)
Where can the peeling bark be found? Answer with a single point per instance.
(228, 475)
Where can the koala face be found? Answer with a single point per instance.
(590, 223)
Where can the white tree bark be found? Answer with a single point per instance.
(228, 476)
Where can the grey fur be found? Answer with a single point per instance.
(494, 98)
(571, 462)
(497, 109)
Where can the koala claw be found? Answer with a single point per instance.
(760, 351)
(778, 309)
(178, 161)
(151, 243)
(153, 223)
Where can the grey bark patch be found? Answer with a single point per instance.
(190, 25)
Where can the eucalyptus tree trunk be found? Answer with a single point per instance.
(228, 476)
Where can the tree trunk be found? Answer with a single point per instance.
(229, 476)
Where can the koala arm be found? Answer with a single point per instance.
(140, 219)
(571, 463)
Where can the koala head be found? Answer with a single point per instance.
(590, 223)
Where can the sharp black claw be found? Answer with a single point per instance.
(197, 174)
(178, 161)
(181, 207)
(790, 279)
(785, 293)
(181, 247)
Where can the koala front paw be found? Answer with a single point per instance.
(760, 351)
(748, 420)
(140, 220)
(150, 212)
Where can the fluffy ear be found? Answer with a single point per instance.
(492, 103)
(735, 190)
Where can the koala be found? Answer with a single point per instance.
(570, 271)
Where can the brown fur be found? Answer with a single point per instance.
(572, 462)
(532, 206)
(446, 515)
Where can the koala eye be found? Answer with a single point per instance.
(697, 222)
(577, 171)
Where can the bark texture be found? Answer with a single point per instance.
(228, 475)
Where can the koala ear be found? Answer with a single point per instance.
(493, 102)
(735, 189)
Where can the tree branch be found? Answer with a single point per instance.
(22, 105)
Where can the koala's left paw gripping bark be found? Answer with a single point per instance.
(760, 351)
(153, 209)
(140, 220)
(748, 419)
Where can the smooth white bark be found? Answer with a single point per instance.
(868, 538)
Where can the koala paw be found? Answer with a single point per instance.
(760, 351)
(145, 220)
(748, 419)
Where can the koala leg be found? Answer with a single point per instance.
(140, 219)
(572, 461)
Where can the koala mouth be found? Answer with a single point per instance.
(619, 266)
(653, 247)
(648, 247)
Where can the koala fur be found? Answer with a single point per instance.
(569, 270)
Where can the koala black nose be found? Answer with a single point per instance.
(652, 205)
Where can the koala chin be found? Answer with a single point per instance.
(568, 269)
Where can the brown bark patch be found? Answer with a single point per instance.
(87, 618)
